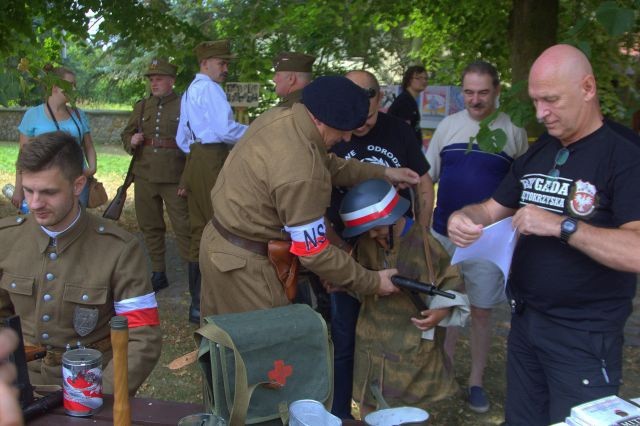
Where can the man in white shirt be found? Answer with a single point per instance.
(206, 127)
(467, 178)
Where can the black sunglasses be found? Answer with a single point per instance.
(561, 158)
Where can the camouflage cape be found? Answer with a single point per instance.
(389, 348)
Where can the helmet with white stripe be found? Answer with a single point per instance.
(371, 203)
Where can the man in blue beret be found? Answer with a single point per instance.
(276, 185)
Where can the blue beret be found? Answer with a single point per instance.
(337, 102)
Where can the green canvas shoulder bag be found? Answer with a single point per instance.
(256, 363)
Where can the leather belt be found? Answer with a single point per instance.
(161, 143)
(54, 356)
(217, 145)
(253, 246)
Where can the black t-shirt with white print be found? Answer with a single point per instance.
(599, 184)
(389, 143)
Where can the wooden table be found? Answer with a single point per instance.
(144, 411)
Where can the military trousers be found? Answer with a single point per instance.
(235, 279)
(204, 162)
(150, 200)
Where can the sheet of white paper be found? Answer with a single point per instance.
(496, 245)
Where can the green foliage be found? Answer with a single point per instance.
(109, 42)
(41, 30)
(615, 20)
(38, 75)
(607, 32)
(452, 35)
(488, 140)
(522, 114)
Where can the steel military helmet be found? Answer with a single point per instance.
(371, 203)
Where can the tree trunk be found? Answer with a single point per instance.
(533, 26)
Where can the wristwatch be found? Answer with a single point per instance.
(567, 228)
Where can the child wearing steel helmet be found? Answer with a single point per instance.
(396, 346)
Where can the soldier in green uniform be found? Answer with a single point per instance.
(292, 74)
(66, 272)
(157, 168)
(396, 346)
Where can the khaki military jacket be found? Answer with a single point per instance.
(67, 293)
(159, 120)
(290, 99)
(280, 174)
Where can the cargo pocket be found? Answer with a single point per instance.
(86, 306)
(226, 262)
(20, 289)
(605, 369)
(16, 284)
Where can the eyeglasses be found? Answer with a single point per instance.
(561, 158)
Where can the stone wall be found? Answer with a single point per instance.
(105, 125)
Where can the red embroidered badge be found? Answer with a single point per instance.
(280, 372)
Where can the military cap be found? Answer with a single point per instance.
(337, 102)
(214, 49)
(160, 66)
(292, 61)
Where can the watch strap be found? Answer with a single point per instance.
(564, 233)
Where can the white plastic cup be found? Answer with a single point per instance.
(307, 412)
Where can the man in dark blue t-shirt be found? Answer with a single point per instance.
(390, 142)
(575, 200)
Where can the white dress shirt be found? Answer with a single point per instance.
(205, 107)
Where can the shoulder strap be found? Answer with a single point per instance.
(128, 180)
(53, 117)
(74, 121)
(144, 102)
(242, 393)
(186, 94)
(415, 203)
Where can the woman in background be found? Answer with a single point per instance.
(405, 106)
(54, 114)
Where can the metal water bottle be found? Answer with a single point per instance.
(8, 190)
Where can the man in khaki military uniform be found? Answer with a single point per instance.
(67, 272)
(293, 73)
(276, 184)
(157, 168)
(206, 128)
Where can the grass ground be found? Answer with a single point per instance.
(185, 385)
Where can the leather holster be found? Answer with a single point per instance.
(286, 265)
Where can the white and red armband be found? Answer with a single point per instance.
(140, 311)
(308, 239)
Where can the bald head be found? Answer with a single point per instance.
(563, 90)
(364, 79)
(369, 82)
(561, 60)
